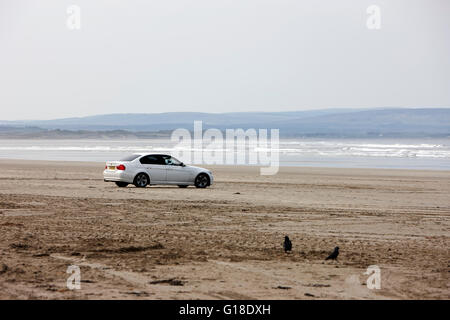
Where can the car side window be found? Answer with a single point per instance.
(152, 160)
(172, 161)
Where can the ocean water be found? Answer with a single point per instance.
(431, 154)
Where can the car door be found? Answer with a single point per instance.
(176, 172)
(155, 167)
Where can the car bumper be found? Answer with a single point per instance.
(117, 176)
(211, 179)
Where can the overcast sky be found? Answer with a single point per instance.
(220, 56)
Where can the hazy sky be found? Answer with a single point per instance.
(220, 55)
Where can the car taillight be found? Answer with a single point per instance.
(106, 167)
(120, 167)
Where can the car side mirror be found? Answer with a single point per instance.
(182, 164)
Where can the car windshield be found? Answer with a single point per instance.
(130, 157)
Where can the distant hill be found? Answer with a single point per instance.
(371, 123)
(7, 132)
(392, 122)
(169, 120)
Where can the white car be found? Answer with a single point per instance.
(149, 169)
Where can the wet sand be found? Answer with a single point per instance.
(224, 242)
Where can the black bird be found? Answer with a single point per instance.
(334, 254)
(287, 244)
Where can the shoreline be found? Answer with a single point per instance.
(251, 167)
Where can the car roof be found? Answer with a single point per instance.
(152, 154)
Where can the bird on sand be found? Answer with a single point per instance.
(287, 244)
(334, 254)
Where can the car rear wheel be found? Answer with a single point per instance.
(202, 180)
(121, 184)
(141, 180)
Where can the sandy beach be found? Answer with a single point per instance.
(223, 242)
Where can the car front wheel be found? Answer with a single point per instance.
(202, 180)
